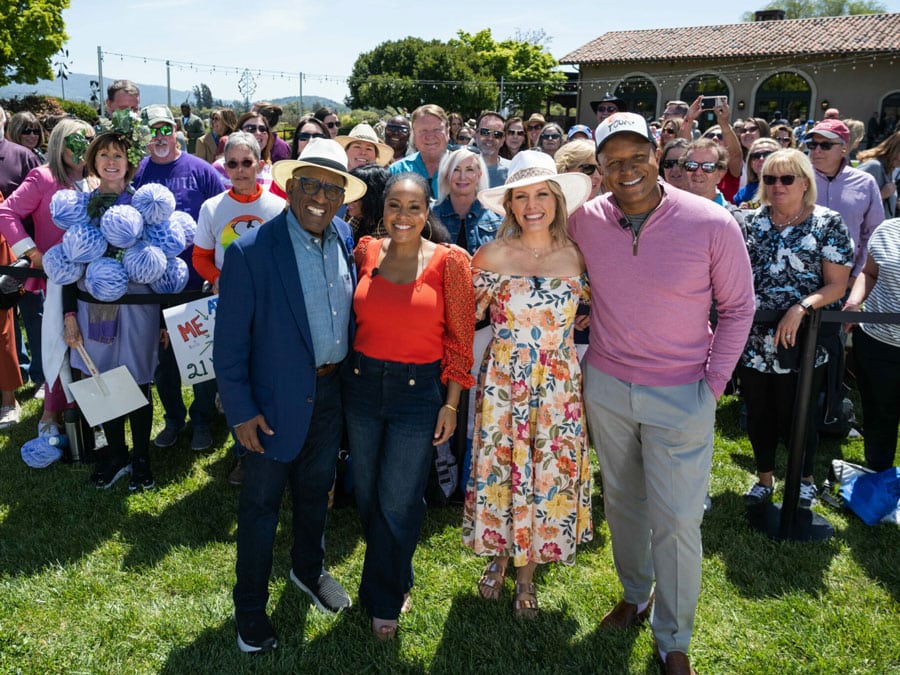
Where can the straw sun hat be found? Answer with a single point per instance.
(322, 153)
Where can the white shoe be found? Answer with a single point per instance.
(9, 415)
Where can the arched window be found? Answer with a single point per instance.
(704, 85)
(889, 114)
(639, 94)
(785, 93)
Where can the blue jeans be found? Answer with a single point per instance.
(31, 308)
(391, 411)
(168, 385)
(309, 477)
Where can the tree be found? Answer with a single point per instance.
(404, 74)
(31, 32)
(524, 67)
(203, 96)
(807, 9)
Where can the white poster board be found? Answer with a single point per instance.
(191, 327)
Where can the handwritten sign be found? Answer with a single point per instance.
(191, 327)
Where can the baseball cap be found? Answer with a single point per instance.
(154, 114)
(834, 130)
(622, 122)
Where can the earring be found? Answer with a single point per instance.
(379, 230)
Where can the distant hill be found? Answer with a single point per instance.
(78, 88)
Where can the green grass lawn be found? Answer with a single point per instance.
(98, 581)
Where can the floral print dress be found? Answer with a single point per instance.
(529, 492)
(787, 266)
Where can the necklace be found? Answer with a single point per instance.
(536, 252)
(790, 221)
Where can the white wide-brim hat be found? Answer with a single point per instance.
(530, 167)
(365, 133)
(322, 153)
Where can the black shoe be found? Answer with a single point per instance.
(254, 632)
(167, 437)
(109, 472)
(327, 594)
(141, 476)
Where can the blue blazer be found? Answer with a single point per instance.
(263, 349)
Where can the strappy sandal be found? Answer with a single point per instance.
(492, 581)
(384, 629)
(524, 607)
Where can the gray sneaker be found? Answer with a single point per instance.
(167, 437)
(808, 495)
(327, 594)
(758, 494)
(201, 439)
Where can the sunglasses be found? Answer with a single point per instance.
(490, 132)
(708, 167)
(310, 186)
(550, 137)
(825, 145)
(515, 132)
(607, 108)
(246, 163)
(760, 155)
(253, 128)
(785, 180)
(670, 164)
(306, 135)
(535, 127)
(332, 125)
(715, 135)
(784, 140)
(587, 169)
(749, 130)
(396, 128)
(30, 131)
(667, 130)
(164, 130)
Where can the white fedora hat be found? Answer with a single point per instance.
(530, 167)
(365, 133)
(322, 153)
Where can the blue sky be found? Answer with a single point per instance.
(322, 40)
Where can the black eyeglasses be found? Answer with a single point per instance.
(607, 108)
(716, 135)
(332, 125)
(535, 127)
(310, 186)
(253, 128)
(785, 180)
(669, 163)
(515, 132)
(164, 130)
(760, 155)
(587, 169)
(825, 145)
(306, 135)
(550, 137)
(396, 128)
(784, 140)
(246, 163)
(31, 131)
(708, 167)
(749, 130)
(490, 132)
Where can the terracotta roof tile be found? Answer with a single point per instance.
(865, 33)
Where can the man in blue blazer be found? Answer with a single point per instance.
(283, 328)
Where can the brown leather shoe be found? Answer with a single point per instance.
(625, 615)
(678, 663)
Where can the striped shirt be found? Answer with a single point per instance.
(884, 247)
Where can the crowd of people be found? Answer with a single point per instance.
(421, 279)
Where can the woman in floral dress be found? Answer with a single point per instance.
(801, 256)
(528, 495)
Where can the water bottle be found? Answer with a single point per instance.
(75, 436)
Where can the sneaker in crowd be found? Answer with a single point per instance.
(236, 477)
(327, 594)
(9, 415)
(758, 494)
(109, 472)
(707, 503)
(167, 437)
(255, 632)
(141, 476)
(39, 393)
(808, 495)
(201, 439)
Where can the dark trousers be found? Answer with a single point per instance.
(31, 309)
(878, 376)
(168, 386)
(391, 411)
(309, 477)
(141, 424)
(770, 400)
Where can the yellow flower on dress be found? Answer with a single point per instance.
(559, 507)
(497, 495)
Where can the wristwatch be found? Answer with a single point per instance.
(807, 307)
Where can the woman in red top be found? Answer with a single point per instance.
(415, 313)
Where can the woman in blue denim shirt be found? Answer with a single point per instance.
(461, 176)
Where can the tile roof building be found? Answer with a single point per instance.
(798, 67)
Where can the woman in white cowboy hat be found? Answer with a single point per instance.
(363, 147)
(528, 497)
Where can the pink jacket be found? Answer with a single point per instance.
(651, 294)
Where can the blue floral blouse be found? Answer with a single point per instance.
(787, 266)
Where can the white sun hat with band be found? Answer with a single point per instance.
(529, 167)
(322, 153)
(364, 133)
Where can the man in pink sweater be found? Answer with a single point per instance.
(657, 257)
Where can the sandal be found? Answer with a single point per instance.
(524, 607)
(384, 629)
(491, 581)
(407, 604)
